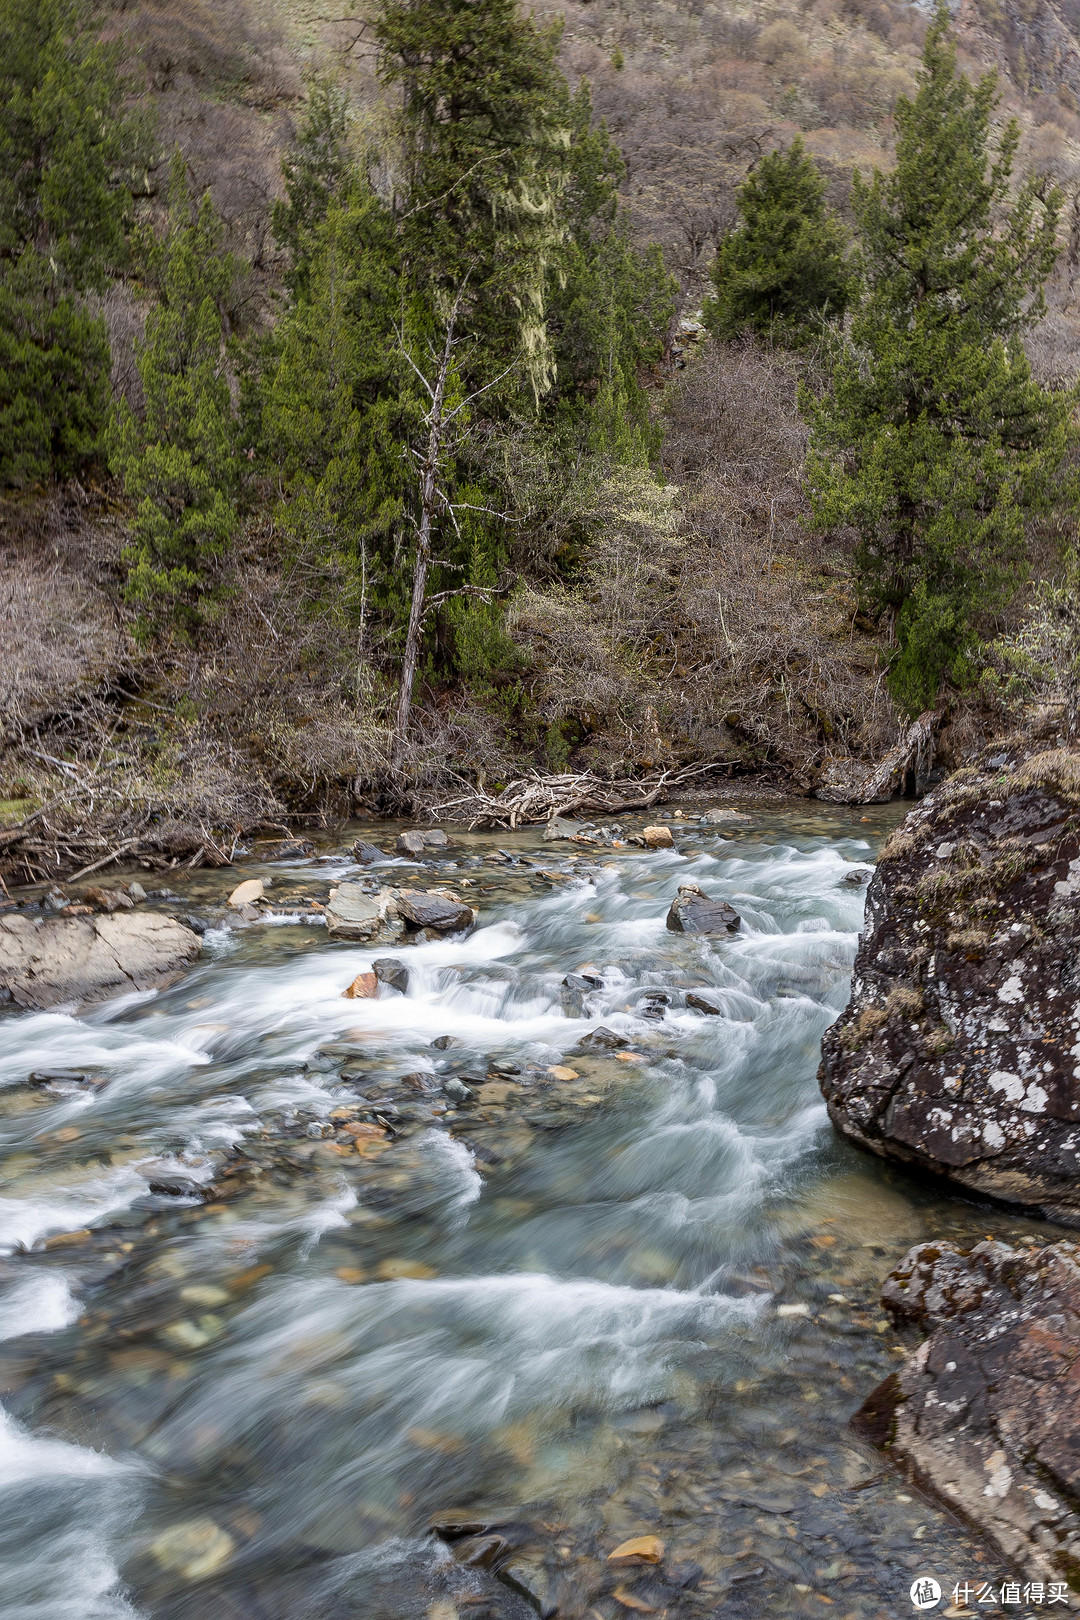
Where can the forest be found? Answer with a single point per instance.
(401, 403)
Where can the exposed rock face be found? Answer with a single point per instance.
(985, 1413)
(54, 961)
(692, 912)
(959, 1050)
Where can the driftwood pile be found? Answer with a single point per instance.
(541, 798)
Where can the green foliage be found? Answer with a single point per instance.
(337, 406)
(933, 441)
(318, 171)
(65, 146)
(609, 305)
(54, 374)
(483, 143)
(783, 270)
(179, 460)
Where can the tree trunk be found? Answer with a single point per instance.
(437, 427)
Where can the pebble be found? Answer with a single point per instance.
(198, 1548)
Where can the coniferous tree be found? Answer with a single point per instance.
(783, 270)
(179, 458)
(66, 146)
(933, 440)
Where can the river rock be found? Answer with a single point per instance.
(702, 1004)
(45, 962)
(367, 854)
(563, 827)
(657, 837)
(365, 987)
(433, 911)
(692, 912)
(410, 843)
(352, 913)
(720, 814)
(246, 893)
(392, 972)
(601, 1040)
(958, 1048)
(984, 1412)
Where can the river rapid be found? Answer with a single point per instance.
(248, 1356)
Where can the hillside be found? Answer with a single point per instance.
(705, 627)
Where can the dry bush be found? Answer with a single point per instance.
(705, 624)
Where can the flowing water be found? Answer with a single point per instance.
(250, 1355)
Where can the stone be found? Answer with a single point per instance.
(638, 1550)
(137, 893)
(583, 982)
(692, 912)
(409, 843)
(290, 849)
(412, 1270)
(601, 1040)
(984, 1412)
(561, 827)
(562, 1071)
(388, 970)
(701, 1003)
(435, 838)
(363, 988)
(957, 1050)
(859, 876)
(246, 893)
(432, 911)
(443, 1043)
(720, 814)
(108, 900)
(657, 837)
(367, 854)
(352, 913)
(195, 1549)
(47, 962)
(457, 1090)
(532, 1581)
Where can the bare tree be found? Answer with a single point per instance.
(445, 426)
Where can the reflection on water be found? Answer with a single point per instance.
(252, 1345)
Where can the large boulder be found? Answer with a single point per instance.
(959, 1050)
(984, 1412)
(56, 961)
(692, 912)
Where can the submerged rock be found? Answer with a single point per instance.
(984, 1413)
(45, 962)
(957, 1051)
(692, 912)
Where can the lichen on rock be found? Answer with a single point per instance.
(959, 1050)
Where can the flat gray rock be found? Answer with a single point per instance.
(352, 913)
(49, 962)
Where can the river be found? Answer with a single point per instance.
(250, 1355)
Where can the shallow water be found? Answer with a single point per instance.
(246, 1356)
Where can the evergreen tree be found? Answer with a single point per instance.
(483, 148)
(318, 171)
(933, 441)
(783, 270)
(65, 146)
(179, 460)
(609, 304)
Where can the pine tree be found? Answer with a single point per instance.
(783, 270)
(317, 172)
(933, 442)
(179, 459)
(66, 145)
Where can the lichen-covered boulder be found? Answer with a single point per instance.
(984, 1413)
(959, 1050)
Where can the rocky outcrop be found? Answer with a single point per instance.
(959, 1050)
(58, 961)
(984, 1412)
(906, 768)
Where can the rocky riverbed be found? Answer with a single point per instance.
(501, 1268)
